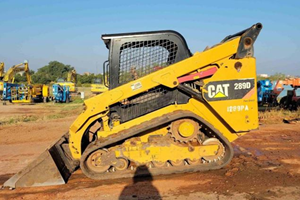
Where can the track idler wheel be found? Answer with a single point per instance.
(96, 162)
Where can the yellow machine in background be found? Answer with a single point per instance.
(21, 94)
(40, 93)
(70, 82)
(166, 109)
(97, 87)
(10, 74)
(30, 92)
(1, 69)
(1, 78)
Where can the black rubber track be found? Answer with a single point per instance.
(167, 118)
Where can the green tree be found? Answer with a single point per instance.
(84, 79)
(20, 78)
(51, 72)
(277, 76)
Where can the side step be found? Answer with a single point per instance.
(52, 167)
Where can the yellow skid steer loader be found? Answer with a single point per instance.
(166, 109)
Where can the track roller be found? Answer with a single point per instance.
(122, 164)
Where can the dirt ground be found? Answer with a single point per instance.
(266, 165)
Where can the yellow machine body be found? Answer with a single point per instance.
(72, 86)
(1, 88)
(98, 88)
(240, 120)
(33, 93)
(213, 102)
(46, 91)
(1, 70)
(71, 81)
(40, 90)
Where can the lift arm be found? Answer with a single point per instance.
(1, 70)
(72, 76)
(11, 73)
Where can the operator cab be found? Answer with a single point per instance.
(97, 81)
(61, 80)
(134, 55)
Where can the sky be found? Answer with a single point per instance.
(70, 31)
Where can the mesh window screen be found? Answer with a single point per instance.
(140, 58)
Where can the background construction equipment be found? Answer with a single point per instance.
(269, 95)
(266, 94)
(291, 100)
(25, 93)
(16, 92)
(98, 86)
(1, 78)
(70, 82)
(61, 94)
